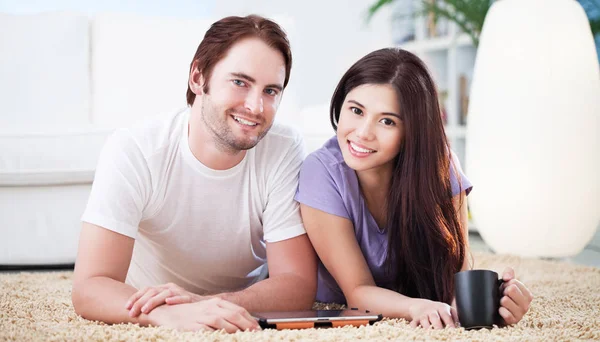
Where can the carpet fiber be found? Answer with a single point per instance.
(37, 306)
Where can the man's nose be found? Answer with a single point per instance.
(254, 102)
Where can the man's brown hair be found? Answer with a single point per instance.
(223, 34)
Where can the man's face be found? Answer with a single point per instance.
(245, 89)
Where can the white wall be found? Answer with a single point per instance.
(173, 8)
(327, 37)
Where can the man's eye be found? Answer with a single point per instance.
(356, 111)
(271, 92)
(387, 122)
(239, 83)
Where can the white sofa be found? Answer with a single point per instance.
(66, 82)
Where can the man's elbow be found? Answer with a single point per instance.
(80, 300)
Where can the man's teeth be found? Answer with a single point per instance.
(244, 122)
(360, 149)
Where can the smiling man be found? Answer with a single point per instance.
(187, 210)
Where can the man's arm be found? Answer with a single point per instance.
(292, 282)
(99, 289)
(99, 292)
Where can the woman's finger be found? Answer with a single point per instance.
(436, 322)
(507, 316)
(510, 305)
(524, 290)
(447, 319)
(454, 314)
(514, 292)
(425, 323)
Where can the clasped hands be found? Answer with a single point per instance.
(187, 311)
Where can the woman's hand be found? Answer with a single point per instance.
(427, 313)
(516, 298)
(149, 298)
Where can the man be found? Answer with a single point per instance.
(189, 208)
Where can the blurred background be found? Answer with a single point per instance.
(69, 95)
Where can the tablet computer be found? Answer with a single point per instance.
(315, 319)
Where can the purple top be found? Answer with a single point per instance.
(328, 184)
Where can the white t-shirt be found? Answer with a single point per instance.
(202, 229)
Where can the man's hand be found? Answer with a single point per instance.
(211, 314)
(516, 298)
(427, 313)
(147, 299)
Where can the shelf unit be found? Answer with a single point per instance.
(450, 57)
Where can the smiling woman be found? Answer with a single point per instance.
(391, 194)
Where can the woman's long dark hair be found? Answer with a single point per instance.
(426, 245)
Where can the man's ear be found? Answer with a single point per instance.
(196, 80)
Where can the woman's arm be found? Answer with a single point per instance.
(335, 242)
(460, 205)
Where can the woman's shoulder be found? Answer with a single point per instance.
(328, 156)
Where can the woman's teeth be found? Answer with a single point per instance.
(360, 149)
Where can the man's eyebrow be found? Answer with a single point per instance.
(243, 76)
(384, 113)
(252, 80)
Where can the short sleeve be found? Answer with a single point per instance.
(281, 217)
(317, 186)
(459, 183)
(121, 186)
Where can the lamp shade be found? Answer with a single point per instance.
(532, 144)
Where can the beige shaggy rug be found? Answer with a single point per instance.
(566, 307)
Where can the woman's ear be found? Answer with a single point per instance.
(196, 80)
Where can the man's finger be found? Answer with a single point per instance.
(136, 309)
(178, 300)
(233, 307)
(237, 318)
(216, 322)
(134, 297)
(157, 300)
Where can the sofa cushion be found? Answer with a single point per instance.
(44, 69)
(51, 157)
(140, 65)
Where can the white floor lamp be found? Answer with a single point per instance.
(533, 135)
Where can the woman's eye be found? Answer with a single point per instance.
(239, 83)
(387, 122)
(356, 111)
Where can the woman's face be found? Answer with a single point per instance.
(370, 128)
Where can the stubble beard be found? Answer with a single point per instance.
(223, 136)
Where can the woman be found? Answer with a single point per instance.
(384, 201)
